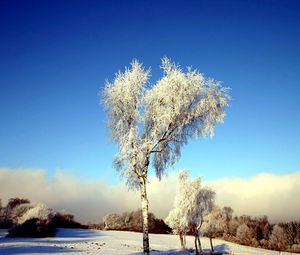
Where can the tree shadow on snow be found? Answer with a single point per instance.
(222, 249)
(12, 249)
(62, 236)
(168, 252)
(77, 233)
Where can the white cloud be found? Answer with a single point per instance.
(276, 196)
(264, 194)
(89, 201)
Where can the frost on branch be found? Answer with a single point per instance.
(278, 238)
(34, 221)
(39, 211)
(124, 103)
(158, 120)
(214, 223)
(244, 234)
(192, 203)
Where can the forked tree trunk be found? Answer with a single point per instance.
(182, 241)
(198, 246)
(144, 201)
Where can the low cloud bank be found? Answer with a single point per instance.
(276, 196)
(265, 194)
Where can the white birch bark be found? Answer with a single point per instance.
(145, 203)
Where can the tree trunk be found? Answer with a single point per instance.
(196, 245)
(211, 245)
(182, 244)
(145, 202)
(199, 244)
(198, 237)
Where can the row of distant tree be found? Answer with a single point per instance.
(132, 221)
(252, 231)
(195, 213)
(220, 223)
(26, 219)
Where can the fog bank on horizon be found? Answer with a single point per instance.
(263, 194)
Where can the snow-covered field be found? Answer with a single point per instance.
(79, 241)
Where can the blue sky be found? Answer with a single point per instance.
(56, 55)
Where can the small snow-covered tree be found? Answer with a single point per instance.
(39, 211)
(243, 234)
(292, 230)
(192, 203)
(204, 203)
(232, 227)
(152, 123)
(114, 221)
(214, 223)
(19, 211)
(227, 213)
(10, 207)
(278, 239)
(136, 220)
(178, 225)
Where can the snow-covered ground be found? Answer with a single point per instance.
(79, 241)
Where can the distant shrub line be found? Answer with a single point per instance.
(258, 232)
(132, 221)
(24, 219)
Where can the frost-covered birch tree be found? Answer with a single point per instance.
(214, 222)
(193, 202)
(178, 218)
(150, 123)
